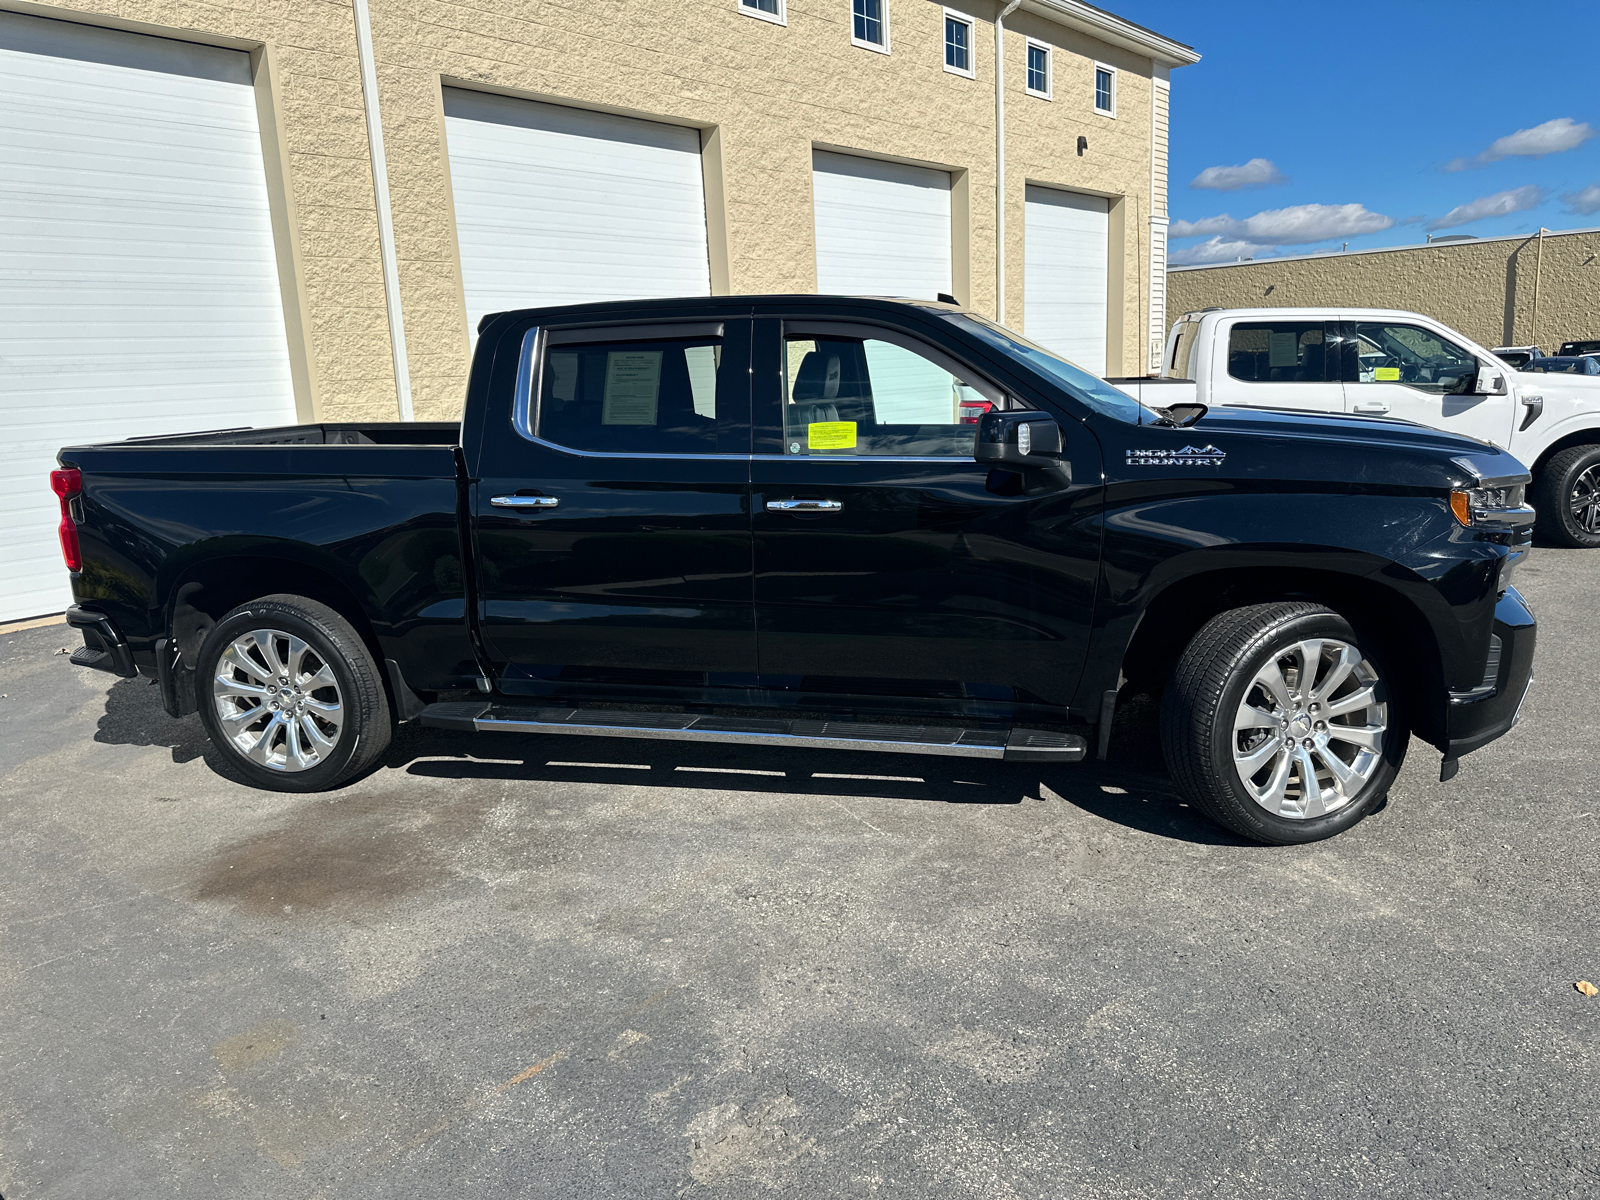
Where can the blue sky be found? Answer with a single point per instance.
(1377, 123)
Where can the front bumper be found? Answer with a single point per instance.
(1476, 718)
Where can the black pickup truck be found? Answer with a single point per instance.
(823, 522)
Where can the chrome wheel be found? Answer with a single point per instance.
(1308, 735)
(1585, 500)
(277, 700)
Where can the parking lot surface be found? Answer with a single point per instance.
(517, 967)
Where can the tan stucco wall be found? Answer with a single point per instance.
(1485, 289)
(766, 95)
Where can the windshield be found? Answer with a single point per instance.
(1093, 391)
(1580, 348)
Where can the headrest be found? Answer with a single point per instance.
(818, 377)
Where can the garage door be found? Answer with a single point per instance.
(1064, 274)
(138, 285)
(559, 205)
(883, 229)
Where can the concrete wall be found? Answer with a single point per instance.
(764, 96)
(1484, 288)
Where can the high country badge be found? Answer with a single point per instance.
(1190, 456)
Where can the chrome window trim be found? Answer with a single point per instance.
(522, 398)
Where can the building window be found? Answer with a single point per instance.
(958, 44)
(1105, 90)
(869, 24)
(767, 10)
(1038, 70)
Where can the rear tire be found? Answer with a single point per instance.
(290, 695)
(1566, 494)
(1258, 751)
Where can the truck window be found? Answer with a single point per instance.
(1182, 364)
(864, 396)
(1279, 352)
(655, 397)
(1406, 354)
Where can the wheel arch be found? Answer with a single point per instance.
(1589, 435)
(1381, 613)
(209, 588)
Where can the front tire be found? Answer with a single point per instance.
(1567, 497)
(1279, 723)
(291, 696)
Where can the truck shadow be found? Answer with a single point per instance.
(134, 717)
(1131, 788)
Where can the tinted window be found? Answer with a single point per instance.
(855, 396)
(1080, 384)
(656, 397)
(1580, 347)
(1279, 352)
(1407, 354)
(1182, 364)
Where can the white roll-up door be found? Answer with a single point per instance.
(883, 229)
(559, 205)
(1066, 239)
(139, 289)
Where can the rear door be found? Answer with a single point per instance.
(1278, 363)
(887, 560)
(613, 527)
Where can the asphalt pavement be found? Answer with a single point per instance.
(505, 966)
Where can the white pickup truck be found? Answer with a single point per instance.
(1404, 365)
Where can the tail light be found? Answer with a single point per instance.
(68, 485)
(968, 412)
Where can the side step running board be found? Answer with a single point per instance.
(1011, 745)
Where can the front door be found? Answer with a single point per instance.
(1401, 369)
(1280, 363)
(612, 513)
(887, 560)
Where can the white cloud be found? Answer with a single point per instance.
(1258, 172)
(1498, 205)
(1584, 203)
(1215, 250)
(1553, 137)
(1299, 225)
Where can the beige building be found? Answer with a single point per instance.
(1503, 291)
(758, 92)
(222, 213)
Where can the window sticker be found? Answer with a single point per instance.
(1283, 350)
(1386, 375)
(831, 435)
(633, 387)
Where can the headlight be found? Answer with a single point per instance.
(1500, 506)
(1493, 503)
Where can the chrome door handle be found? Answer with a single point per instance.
(524, 501)
(804, 506)
(1373, 408)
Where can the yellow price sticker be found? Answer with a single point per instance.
(1387, 375)
(831, 435)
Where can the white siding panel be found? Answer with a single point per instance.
(139, 290)
(883, 229)
(559, 205)
(1065, 260)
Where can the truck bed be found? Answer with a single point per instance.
(386, 433)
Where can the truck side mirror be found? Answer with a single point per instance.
(1018, 440)
(1460, 381)
(1490, 381)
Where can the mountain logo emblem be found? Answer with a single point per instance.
(1190, 456)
